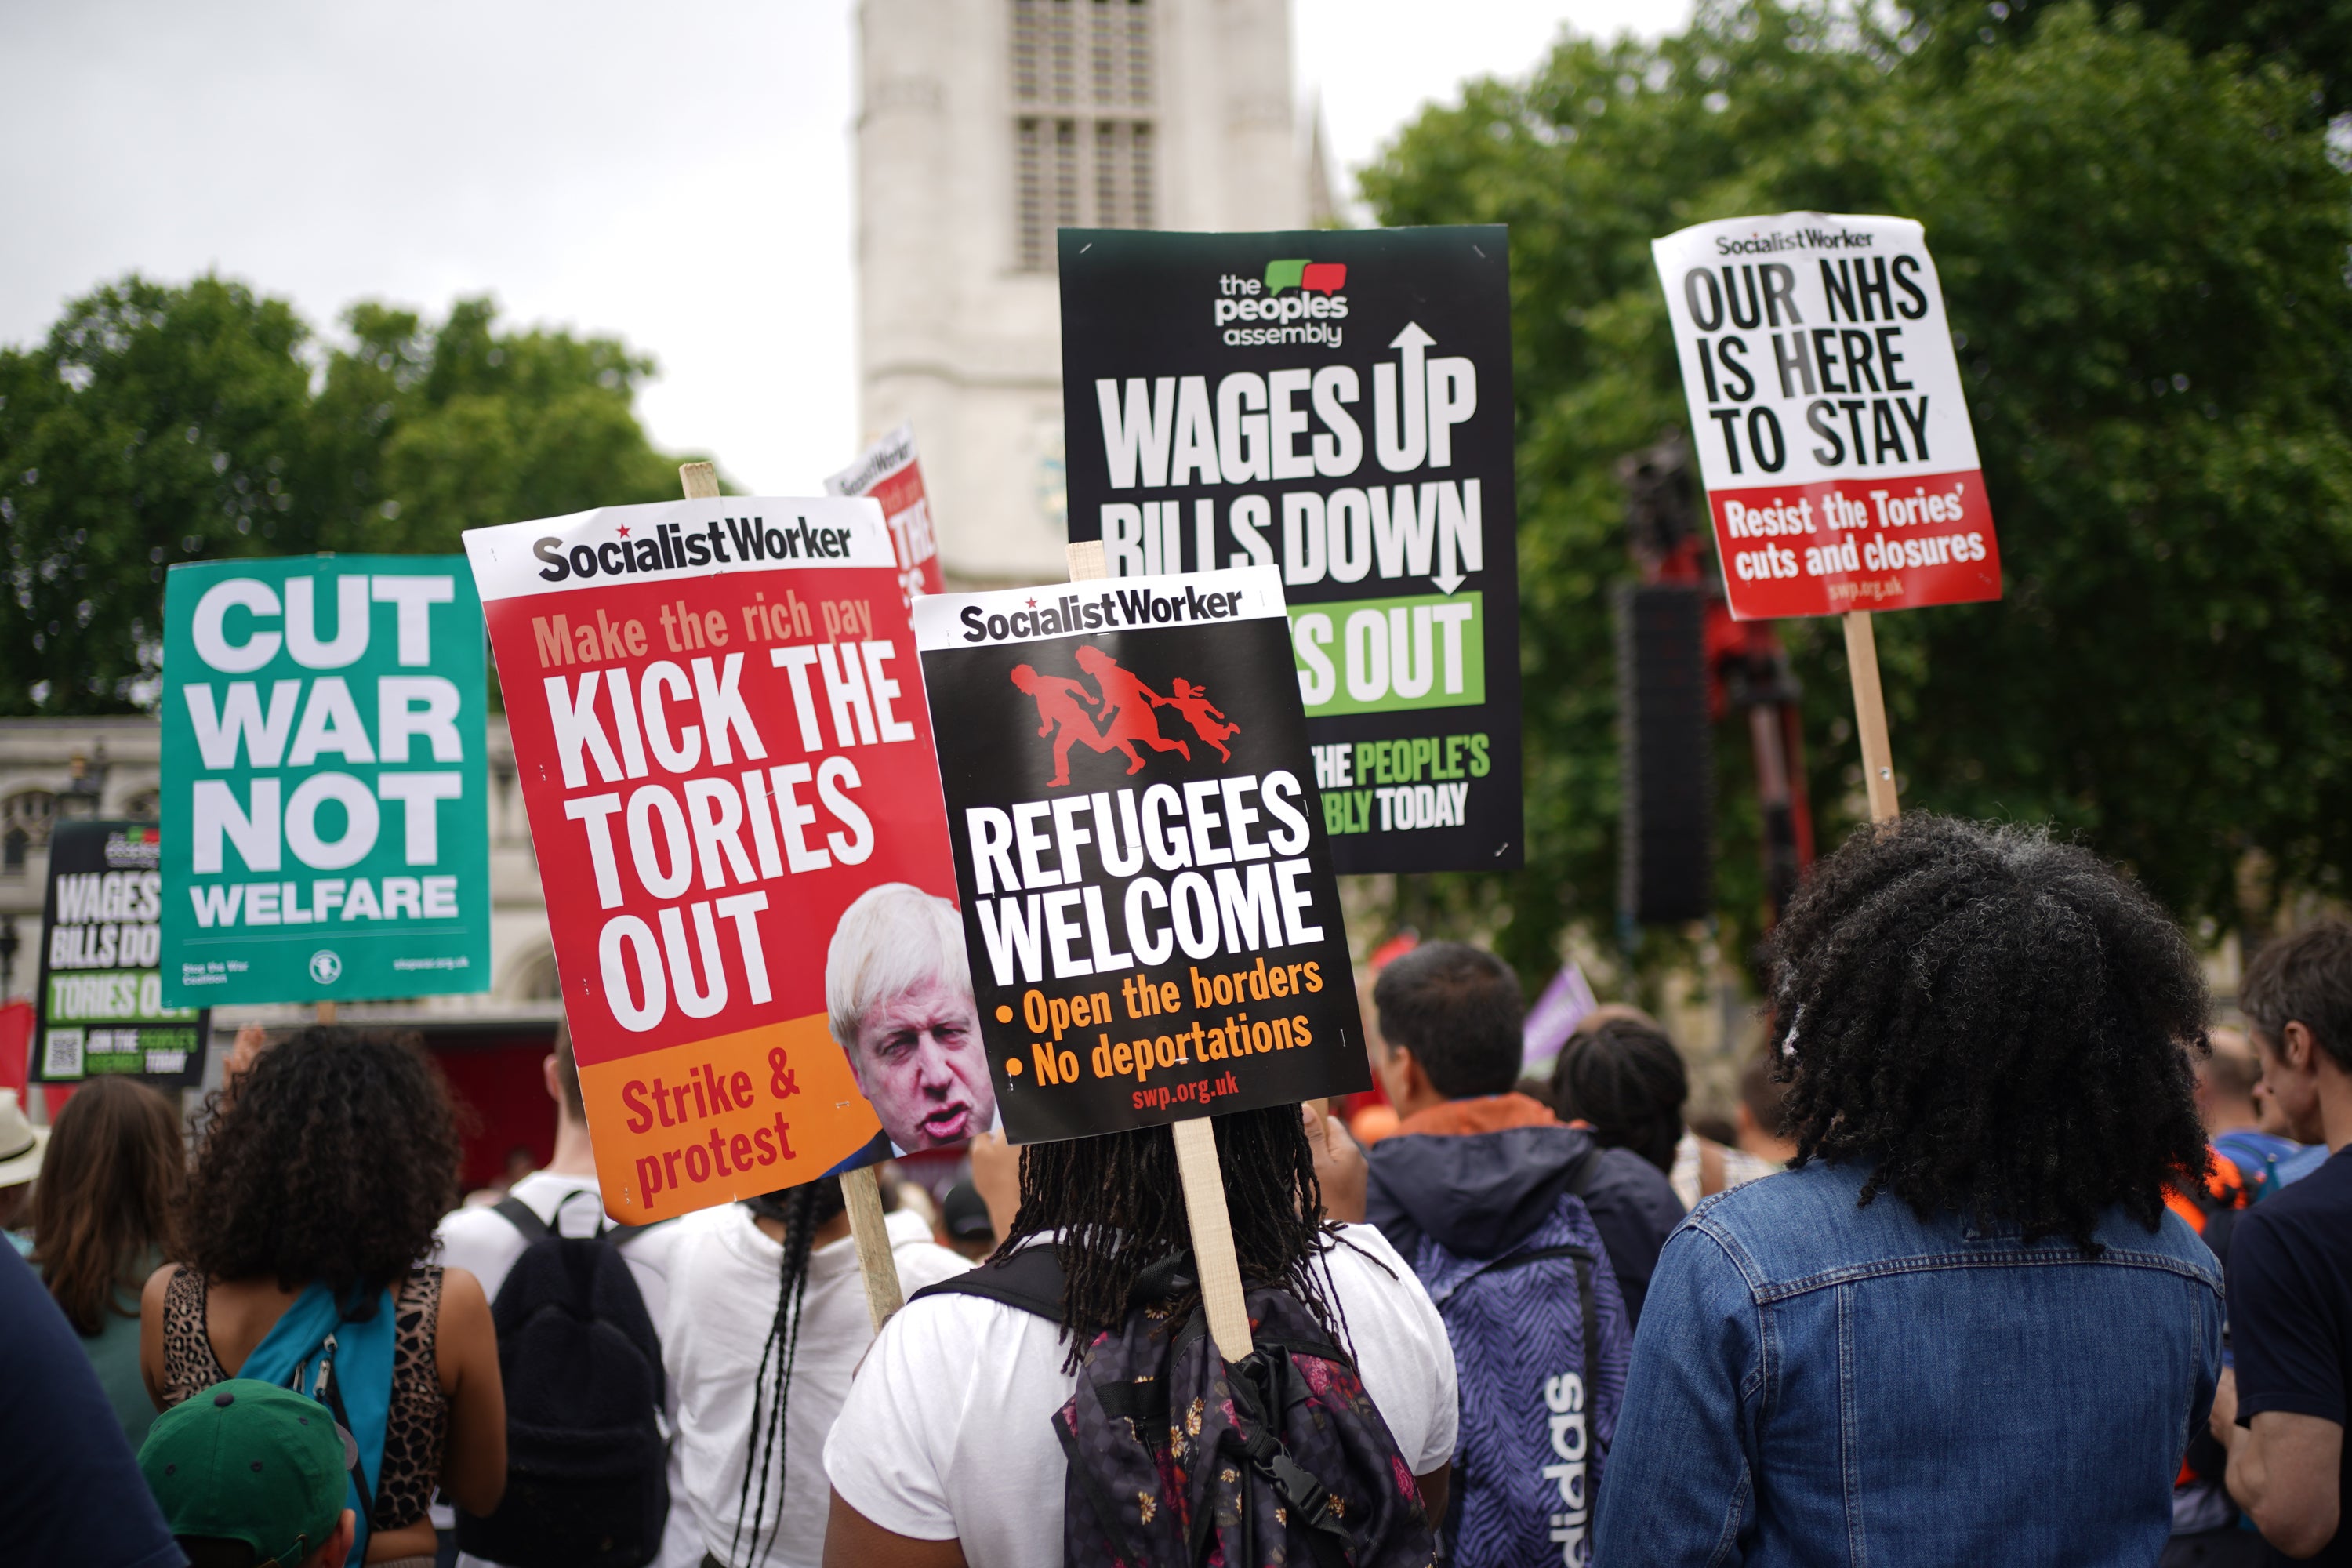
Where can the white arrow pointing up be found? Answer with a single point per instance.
(1399, 455)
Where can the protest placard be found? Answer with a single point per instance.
(889, 471)
(325, 819)
(1833, 438)
(1840, 465)
(1148, 896)
(1336, 403)
(101, 989)
(722, 748)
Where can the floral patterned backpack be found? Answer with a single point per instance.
(1178, 1456)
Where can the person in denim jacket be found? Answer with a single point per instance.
(1962, 1328)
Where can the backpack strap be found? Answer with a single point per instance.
(520, 1216)
(1588, 1168)
(328, 1390)
(525, 1218)
(1579, 1184)
(1586, 1301)
(1031, 1280)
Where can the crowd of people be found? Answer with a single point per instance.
(1950, 1290)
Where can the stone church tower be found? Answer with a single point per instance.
(983, 125)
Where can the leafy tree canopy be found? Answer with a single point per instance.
(2143, 247)
(160, 424)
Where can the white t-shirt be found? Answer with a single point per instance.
(948, 1434)
(486, 1245)
(1739, 1168)
(723, 1289)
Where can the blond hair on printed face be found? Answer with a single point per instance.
(891, 940)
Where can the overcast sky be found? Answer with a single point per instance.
(678, 175)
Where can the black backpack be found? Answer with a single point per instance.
(587, 1482)
(1178, 1456)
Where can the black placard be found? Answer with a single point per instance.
(1236, 399)
(101, 997)
(1147, 888)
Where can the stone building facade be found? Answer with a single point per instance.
(984, 126)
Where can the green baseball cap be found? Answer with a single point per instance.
(246, 1460)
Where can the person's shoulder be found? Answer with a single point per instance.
(937, 1333)
(2126, 1241)
(922, 1263)
(2325, 1194)
(1787, 1224)
(2315, 1211)
(1366, 1268)
(462, 1232)
(1628, 1173)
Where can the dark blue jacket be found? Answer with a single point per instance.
(1479, 1193)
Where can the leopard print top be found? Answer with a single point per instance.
(418, 1423)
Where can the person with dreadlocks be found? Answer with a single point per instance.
(1963, 1327)
(945, 1452)
(767, 1318)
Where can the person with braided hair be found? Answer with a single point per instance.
(945, 1452)
(1963, 1327)
(1619, 1074)
(767, 1318)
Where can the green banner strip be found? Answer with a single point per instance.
(1381, 655)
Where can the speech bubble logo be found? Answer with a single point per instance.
(1314, 277)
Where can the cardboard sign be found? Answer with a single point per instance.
(889, 472)
(1336, 403)
(102, 992)
(326, 832)
(717, 718)
(1148, 896)
(1840, 465)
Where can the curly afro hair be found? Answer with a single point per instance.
(330, 1160)
(2003, 1023)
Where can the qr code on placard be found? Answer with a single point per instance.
(61, 1053)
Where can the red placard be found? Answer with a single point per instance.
(1856, 544)
(719, 722)
(890, 473)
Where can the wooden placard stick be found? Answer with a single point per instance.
(859, 1188)
(326, 1012)
(871, 1239)
(1196, 1150)
(1870, 715)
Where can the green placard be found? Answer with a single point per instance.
(325, 822)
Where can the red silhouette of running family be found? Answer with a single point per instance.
(1124, 716)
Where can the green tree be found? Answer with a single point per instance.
(159, 423)
(2311, 37)
(2143, 253)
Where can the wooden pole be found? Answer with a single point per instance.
(871, 1237)
(1196, 1150)
(326, 1012)
(1870, 715)
(859, 1188)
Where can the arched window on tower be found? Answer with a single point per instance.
(1084, 139)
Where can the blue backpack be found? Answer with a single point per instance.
(1540, 1345)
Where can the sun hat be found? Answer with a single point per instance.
(22, 1144)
